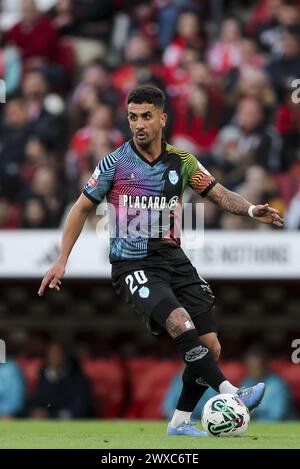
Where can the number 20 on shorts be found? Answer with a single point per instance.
(139, 277)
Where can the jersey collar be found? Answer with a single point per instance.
(150, 163)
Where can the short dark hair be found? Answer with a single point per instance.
(147, 94)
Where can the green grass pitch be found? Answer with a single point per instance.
(122, 434)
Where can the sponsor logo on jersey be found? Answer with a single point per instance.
(144, 292)
(92, 181)
(149, 202)
(94, 178)
(173, 177)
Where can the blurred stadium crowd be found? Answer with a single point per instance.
(227, 69)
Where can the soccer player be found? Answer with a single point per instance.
(144, 178)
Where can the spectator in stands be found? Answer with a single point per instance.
(201, 75)
(35, 214)
(49, 126)
(138, 59)
(170, 401)
(10, 66)
(14, 135)
(35, 36)
(251, 82)
(12, 389)
(285, 69)
(45, 185)
(255, 142)
(286, 14)
(37, 155)
(178, 78)
(86, 19)
(62, 390)
(263, 13)
(287, 122)
(251, 56)
(277, 402)
(188, 34)
(195, 121)
(91, 91)
(167, 14)
(225, 53)
(101, 119)
(142, 20)
(9, 215)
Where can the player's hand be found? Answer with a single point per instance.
(52, 278)
(266, 214)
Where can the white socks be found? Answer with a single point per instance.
(227, 387)
(179, 417)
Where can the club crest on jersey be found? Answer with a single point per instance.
(144, 292)
(173, 177)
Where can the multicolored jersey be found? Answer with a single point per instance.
(145, 198)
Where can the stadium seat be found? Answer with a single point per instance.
(234, 371)
(290, 373)
(149, 379)
(31, 368)
(107, 379)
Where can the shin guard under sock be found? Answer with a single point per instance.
(193, 389)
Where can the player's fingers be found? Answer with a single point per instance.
(276, 217)
(43, 285)
(41, 289)
(54, 282)
(278, 223)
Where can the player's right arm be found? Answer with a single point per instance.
(72, 229)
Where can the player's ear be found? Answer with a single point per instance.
(163, 119)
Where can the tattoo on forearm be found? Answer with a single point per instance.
(228, 200)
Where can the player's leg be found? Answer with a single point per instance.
(196, 296)
(250, 396)
(211, 341)
(201, 368)
(193, 386)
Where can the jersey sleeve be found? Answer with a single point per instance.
(199, 178)
(101, 180)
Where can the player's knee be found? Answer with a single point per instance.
(178, 322)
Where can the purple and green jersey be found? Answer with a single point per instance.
(144, 198)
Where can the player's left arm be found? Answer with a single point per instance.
(234, 203)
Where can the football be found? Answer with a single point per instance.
(225, 415)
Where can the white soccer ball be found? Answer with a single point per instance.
(225, 415)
